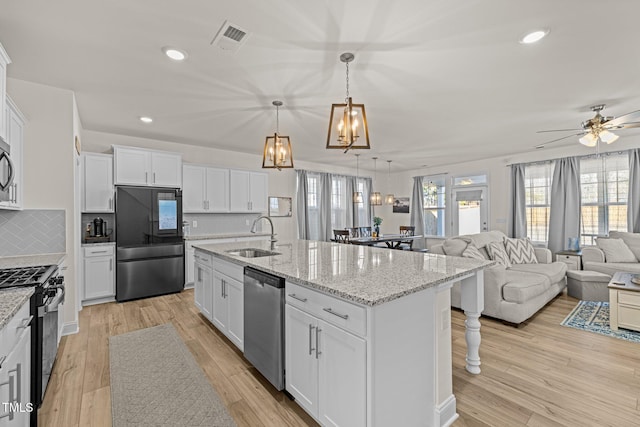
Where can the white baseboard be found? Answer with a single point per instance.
(70, 328)
(98, 301)
(446, 412)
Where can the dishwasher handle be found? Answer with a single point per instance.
(264, 278)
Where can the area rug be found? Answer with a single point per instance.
(155, 381)
(593, 316)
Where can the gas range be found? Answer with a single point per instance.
(26, 276)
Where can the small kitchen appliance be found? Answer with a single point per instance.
(99, 227)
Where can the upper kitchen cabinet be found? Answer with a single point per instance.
(4, 61)
(97, 191)
(206, 189)
(138, 166)
(14, 137)
(248, 191)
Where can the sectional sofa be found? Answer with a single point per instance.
(514, 293)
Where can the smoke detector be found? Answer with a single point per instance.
(230, 37)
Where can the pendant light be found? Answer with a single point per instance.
(348, 123)
(390, 197)
(277, 148)
(357, 195)
(376, 197)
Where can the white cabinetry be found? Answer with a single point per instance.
(228, 300)
(206, 189)
(137, 166)
(15, 138)
(15, 370)
(248, 191)
(97, 191)
(4, 61)
(99, 274)
(203, 283)
(325, 363)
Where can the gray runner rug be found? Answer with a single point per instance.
(155, 381)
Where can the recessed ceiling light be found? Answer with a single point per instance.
(534, 36)
(145, 119)
(175, 54)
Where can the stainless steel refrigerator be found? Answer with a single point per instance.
(150, 249)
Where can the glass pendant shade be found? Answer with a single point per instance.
(608, 137)
(376, 198)
(357, 197)
(389, 198)
(277, 148)
(590, 140)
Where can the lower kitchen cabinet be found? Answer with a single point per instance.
(15, 370)
(219, 294)
(326, 369)
(99, 274)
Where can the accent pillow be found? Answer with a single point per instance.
(498, 253)
(520, 251)
(615, 250)
(473, 252)
(631, 239)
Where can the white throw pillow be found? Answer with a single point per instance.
(615, 250)
(473, 252)
(520, 251)
(631, 239)
(498, 253)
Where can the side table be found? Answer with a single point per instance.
(624, 302)
(573, 259)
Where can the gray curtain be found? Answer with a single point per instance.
(564, 215)
(302, 209)
(633, 199)
(325, 230)
(517, 207)
(417, 211)
(368, 185)
(352, 214)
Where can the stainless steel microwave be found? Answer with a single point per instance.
(7, 172)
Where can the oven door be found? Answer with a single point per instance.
(48, 315)
(7, 172)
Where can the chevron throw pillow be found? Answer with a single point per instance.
(520, 251)
(473, 252)
(498, 253)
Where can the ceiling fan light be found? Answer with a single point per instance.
(589, 140)
(608, 137)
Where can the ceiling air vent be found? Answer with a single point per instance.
(230, 37)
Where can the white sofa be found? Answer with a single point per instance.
(512, 294)
(594, 259)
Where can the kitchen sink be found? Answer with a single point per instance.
(251, 252)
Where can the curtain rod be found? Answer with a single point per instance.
(584, 156)
(433, 174)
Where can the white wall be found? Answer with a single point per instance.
(499, 178)
(281, 183)
(49, 162)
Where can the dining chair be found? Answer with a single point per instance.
(365, 231)
(341, 236)
(407, 230)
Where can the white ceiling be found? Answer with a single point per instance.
(443, 81)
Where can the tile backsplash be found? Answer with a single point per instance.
(29, 232)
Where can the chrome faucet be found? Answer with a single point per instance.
(273, 235)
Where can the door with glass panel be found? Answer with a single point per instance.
(470, 210)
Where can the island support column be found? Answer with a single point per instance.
(472, 302)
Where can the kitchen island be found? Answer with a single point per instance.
(382, 324)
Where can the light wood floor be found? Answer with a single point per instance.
(540, 374)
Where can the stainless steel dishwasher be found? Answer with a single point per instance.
(264, 324)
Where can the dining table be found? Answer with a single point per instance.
(392, 241)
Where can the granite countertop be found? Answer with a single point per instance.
(365, 275)
(99, 244)
(31, 260)
(222, 236)
(10, 302)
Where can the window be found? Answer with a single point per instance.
(604, 183)
(433, 189)
(537, 186)
(338, 202)
(313, 198)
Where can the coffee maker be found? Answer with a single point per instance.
(99, 227)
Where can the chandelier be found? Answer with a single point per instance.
(389, 198)
(277, 148)
(376, 197)
(357, 195)
(348, 123)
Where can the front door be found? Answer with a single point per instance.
(470, 212)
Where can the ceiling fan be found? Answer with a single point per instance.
(598, 128)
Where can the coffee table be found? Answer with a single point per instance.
(624, 302)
